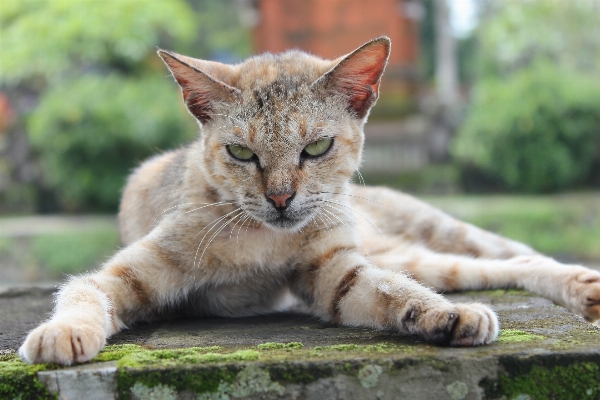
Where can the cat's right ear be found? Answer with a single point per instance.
(200, 90)
(357, 75)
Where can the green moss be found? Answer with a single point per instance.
(117, 351)
(18, 380)
(274, 346)
(367, 348)
(506, 292)
(134, 352)
(515, 335)
(193, 355)
(195, 380)
(299, 373)
(576, 381)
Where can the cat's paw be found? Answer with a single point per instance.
(63, 342)
(581, 293)
(458, 325)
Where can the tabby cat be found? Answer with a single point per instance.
(258, 215)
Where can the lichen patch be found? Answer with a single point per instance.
(250, 381)
(368, 376)
(158, 392)
(457, 390)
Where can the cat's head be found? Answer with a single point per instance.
(281, 134)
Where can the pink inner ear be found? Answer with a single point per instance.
(359, 75)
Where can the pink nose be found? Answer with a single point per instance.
(279, 200)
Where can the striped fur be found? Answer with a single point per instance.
(202, 236)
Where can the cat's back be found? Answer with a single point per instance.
(155, 186)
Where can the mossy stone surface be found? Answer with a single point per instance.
(543, 351)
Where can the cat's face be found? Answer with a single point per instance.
(282, 134)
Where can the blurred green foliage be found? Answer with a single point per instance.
(74, 253)
(103, 99)
(533, 124)
(49, 257)
(536, 131)
(94, 130)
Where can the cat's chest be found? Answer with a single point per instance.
(234, 255)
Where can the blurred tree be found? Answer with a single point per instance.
(513, 34)
(533, 122)
(103, 100)
(536, 131)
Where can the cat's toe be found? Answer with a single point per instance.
(62, 342)
(583, 294)
(477, 325)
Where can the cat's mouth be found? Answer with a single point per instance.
(286, 220)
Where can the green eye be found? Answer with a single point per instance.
(239, 152)
(319, 147)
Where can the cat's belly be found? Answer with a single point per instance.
(251, 296)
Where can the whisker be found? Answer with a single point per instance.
(361, 177)
(214, 223)
(344, 222)
(246, 218)
(357, 197)
(180, 205)
(353, 210)
(220, 203)
(335, 216)
(242, 215)
(219, 230)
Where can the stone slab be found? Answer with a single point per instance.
(540, 341)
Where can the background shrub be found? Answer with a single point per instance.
(536, 130)
(88, 144)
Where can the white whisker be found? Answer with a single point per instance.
(214, 223)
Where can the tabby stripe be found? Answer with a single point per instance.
(345, 285)
(316, 265)
(427, 232)
(128, 276)
(451, 277)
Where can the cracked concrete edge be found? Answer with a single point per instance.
(92, 381)
(439, 378)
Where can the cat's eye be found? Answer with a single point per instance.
(319, 147)
(240, 152)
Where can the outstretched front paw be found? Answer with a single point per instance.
(582, 294)
(455, 324)
(63, 342)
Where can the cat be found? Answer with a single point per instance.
(260, 209)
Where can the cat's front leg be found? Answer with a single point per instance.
(78, 328)
(130, 287)
(340, 285)
(575, 287)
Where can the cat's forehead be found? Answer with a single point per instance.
(273, 73)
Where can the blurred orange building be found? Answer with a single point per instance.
(330, 28)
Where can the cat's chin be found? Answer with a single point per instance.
(285, 223)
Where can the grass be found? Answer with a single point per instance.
(71, 253)
(51, 256)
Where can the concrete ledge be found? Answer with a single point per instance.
(544, 352)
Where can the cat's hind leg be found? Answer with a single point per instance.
(386, 216)
(574, 287)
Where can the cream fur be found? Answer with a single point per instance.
(203, 238)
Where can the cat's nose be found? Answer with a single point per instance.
(280, 201)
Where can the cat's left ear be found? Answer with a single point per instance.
(357, 75)
(202, 83)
